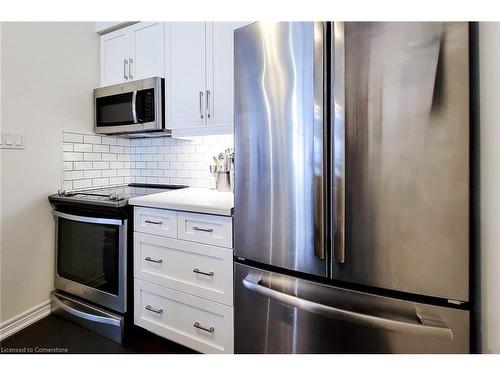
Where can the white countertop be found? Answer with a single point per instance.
(189, 199)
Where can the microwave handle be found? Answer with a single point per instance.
(134, 106)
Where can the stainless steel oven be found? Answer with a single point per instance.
(91, 258)
(134, 108)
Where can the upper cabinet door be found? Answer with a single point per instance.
(220, 77)
(115, 52)
(185, 75)
(148, 50)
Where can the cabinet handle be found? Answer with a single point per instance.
(208, 103)
(153, 222)
(196, 270)
(201, 104)
(130, 62)
(149, 308)
(125, 64)
(199, 326)
(209, 230)
(153, 260)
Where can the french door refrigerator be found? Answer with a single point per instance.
(352, 187)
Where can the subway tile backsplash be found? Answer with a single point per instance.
(91, 160)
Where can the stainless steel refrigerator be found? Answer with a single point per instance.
(352, 187)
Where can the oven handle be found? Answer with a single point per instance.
(85, 219)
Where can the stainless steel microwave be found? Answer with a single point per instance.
(134, 109)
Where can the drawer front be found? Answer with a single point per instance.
(203, 270)
(191, 321)
(155, 221)
(208, 229)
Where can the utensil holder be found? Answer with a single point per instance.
(223, 181)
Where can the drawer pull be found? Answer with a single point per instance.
(196, 270)
(209, 230)
(199, 326)
(149, 308)
(153, 260)
(153, 222)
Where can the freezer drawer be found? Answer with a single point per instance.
(275, 313)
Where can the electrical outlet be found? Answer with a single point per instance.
(12, 140)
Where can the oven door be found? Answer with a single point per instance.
(91, 259)
(129, 108)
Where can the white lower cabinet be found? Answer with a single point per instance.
(203, 270)
(195, 322)
(183, 277)
(209, 229)
(155, 221)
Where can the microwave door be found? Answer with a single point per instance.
(116, 110)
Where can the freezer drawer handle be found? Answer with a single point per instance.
(429, 327)
(199, 326)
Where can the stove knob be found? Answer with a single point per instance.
(113, 196)
(61, 192)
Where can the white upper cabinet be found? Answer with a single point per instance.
(220, 75)
(115, 51)
(199, 77)
(134, 52)
(196, 60)
(185, 100)
(148, 50)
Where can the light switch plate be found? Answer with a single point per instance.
(12, 140)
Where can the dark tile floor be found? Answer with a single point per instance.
(57, 335)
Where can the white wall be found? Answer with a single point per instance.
(48, 73)
(489, 60)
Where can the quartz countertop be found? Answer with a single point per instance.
(189, 199)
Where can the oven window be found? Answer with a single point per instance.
(114, 110)
(89, 254)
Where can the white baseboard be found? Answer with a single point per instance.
(17, 323)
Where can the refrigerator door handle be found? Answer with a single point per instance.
(338, 142)
(319, 181)
(433, 326)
